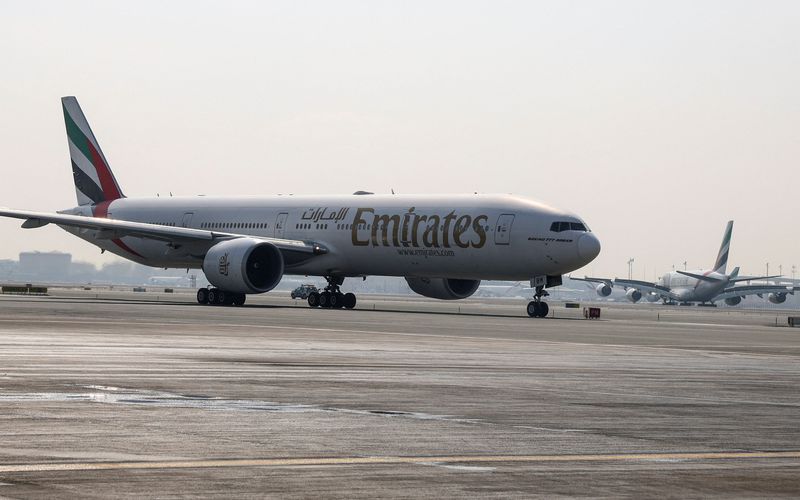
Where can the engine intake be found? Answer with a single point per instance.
(733, 301)
(777, 298)
(633, 295)
(244, 265)
(443, 288)
(603, 290)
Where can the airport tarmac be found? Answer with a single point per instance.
(116, 394)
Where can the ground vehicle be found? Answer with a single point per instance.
(303, 291)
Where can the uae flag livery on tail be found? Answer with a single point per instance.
(94, 182)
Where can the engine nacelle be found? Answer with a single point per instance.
(633, 295)
(733, 301)
(443, 288)
(603, 290)
(777, 298)
(244, 265)
(652, 297)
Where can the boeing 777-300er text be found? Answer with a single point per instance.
(443, 245)
(704, 286)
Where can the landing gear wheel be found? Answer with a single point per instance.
(202, 296)
(313, 299)
(213, 297)
(349, 300)
(537, 308)
(325, 300)
(223, 298)
(338, 303)
(239, 299)
(543, 309)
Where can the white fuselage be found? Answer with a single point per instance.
(690, 289)
(454, 236)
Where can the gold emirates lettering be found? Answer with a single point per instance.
(416, 230)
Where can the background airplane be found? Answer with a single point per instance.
(701, 286)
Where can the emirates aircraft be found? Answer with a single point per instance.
(443, 245)
(702, 286)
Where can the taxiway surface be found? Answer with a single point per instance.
(130, 395)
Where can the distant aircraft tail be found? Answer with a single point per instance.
(722, 258)
(94, 181)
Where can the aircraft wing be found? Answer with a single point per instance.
(741, 291)
(646, 286)
(737, 279)
(115, 228)
(589, 279)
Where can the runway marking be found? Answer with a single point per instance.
(476, 338)
(395, 460)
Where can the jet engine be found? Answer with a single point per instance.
(733, 301)
(443, 288)
(777, 298)
(603, 290)
(244, 265)
(633, 295)
(652, 297)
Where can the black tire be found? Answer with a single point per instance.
(533, 309)
(313, 299)
(294, 296)
(202, 296)
(349, 300)
(544, 309)
(325, 300)
(224, 298)
(335, 300)
(239, 299)
(213, 297)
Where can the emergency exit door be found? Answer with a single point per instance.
(502, 230)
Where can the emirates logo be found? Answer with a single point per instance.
(224, 264)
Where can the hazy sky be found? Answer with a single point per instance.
(654, 121)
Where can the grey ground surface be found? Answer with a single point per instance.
(112, 394)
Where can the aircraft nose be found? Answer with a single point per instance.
(588, 247)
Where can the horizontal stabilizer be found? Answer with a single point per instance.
(699, 277)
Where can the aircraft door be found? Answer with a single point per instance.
(187, 219)
(280, 224)
(502, 230)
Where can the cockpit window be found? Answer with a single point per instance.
(560, 226)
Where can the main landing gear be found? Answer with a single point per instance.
(332, 297)
(538, 308)
(217, 297)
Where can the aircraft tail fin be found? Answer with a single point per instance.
(94, 181)
(722, 258)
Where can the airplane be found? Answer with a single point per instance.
(443, 245)
(703, 286)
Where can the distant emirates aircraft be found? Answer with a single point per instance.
(702, 286)
(443, 245)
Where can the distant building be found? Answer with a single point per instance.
(49, 265)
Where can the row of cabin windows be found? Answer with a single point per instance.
(557, 226)
(560, 226)
(234, 225)
(367, 227)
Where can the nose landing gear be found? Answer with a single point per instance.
(332, 297)
(537, 308)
